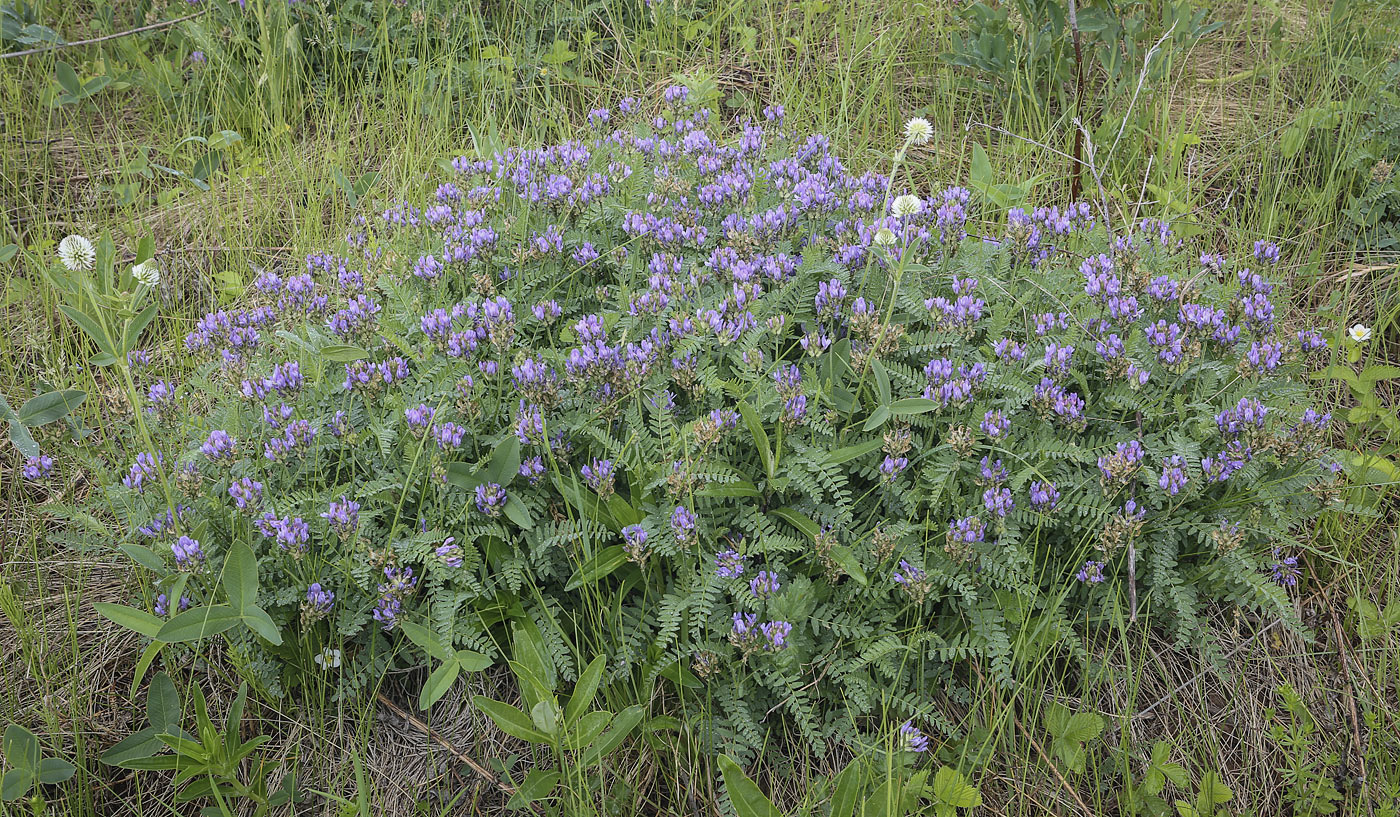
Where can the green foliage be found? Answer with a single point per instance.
(578, 736)
(28, 766)
(208, 762)
(1070, 732)
(1372, 212)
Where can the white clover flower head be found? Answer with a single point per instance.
(918, 131)
(885, 237)
(1359, 333)
(328, 659)
(77, 253)
(907, 205)
(147, 273)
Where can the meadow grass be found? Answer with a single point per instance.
(1247, 132)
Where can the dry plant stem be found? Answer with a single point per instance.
(1345, 660)
(127, 33)
(1025, 733)
(1074, 165)
(418, 724)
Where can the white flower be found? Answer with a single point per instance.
(907, 205)
(1360, 333)
(918, 131)
(76, 253)
(328, 659)
(884, 237)
(147, 273)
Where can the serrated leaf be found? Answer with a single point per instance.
(952, 789)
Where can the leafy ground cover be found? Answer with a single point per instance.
(246, 139)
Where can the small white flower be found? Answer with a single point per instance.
(77, 253)
(328, 659)
(885, 237)
(1360, 333)
(147, 273)
(907, 205)
(918, 131)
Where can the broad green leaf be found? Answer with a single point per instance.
(844, 455)
(46, 408)
(622, 726)
(19, 435)
(529, 651)
(505, 461)
(163, 704)
(438, 683)
(130, 618)
(143, 556)
(21, 747)
(261, 623)
(980, 176)
(53, 770)
(240, 577)
(748, 799)
(844, 557)
(510, 720)
(68, 78)
(426, 640)
(877, 418)
(912, 405)
(136, 326)
(148, 656)
(588, 728)
(740, 488)
(517, 512)
(882, 383)
(198, 622)
(8, 252)
(89, 325)
(1213, 793)
(1337, 371)
(537, 785)
(760, 437)
(603, 563)
(545, 715)
(136, 746)
(846, 789)
(952, 789)
(473, 661)
(337, 353)
(1379, 372)
(16, 784)
(584, 690)
(798, 520)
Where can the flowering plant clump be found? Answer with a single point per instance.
(783, 429)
